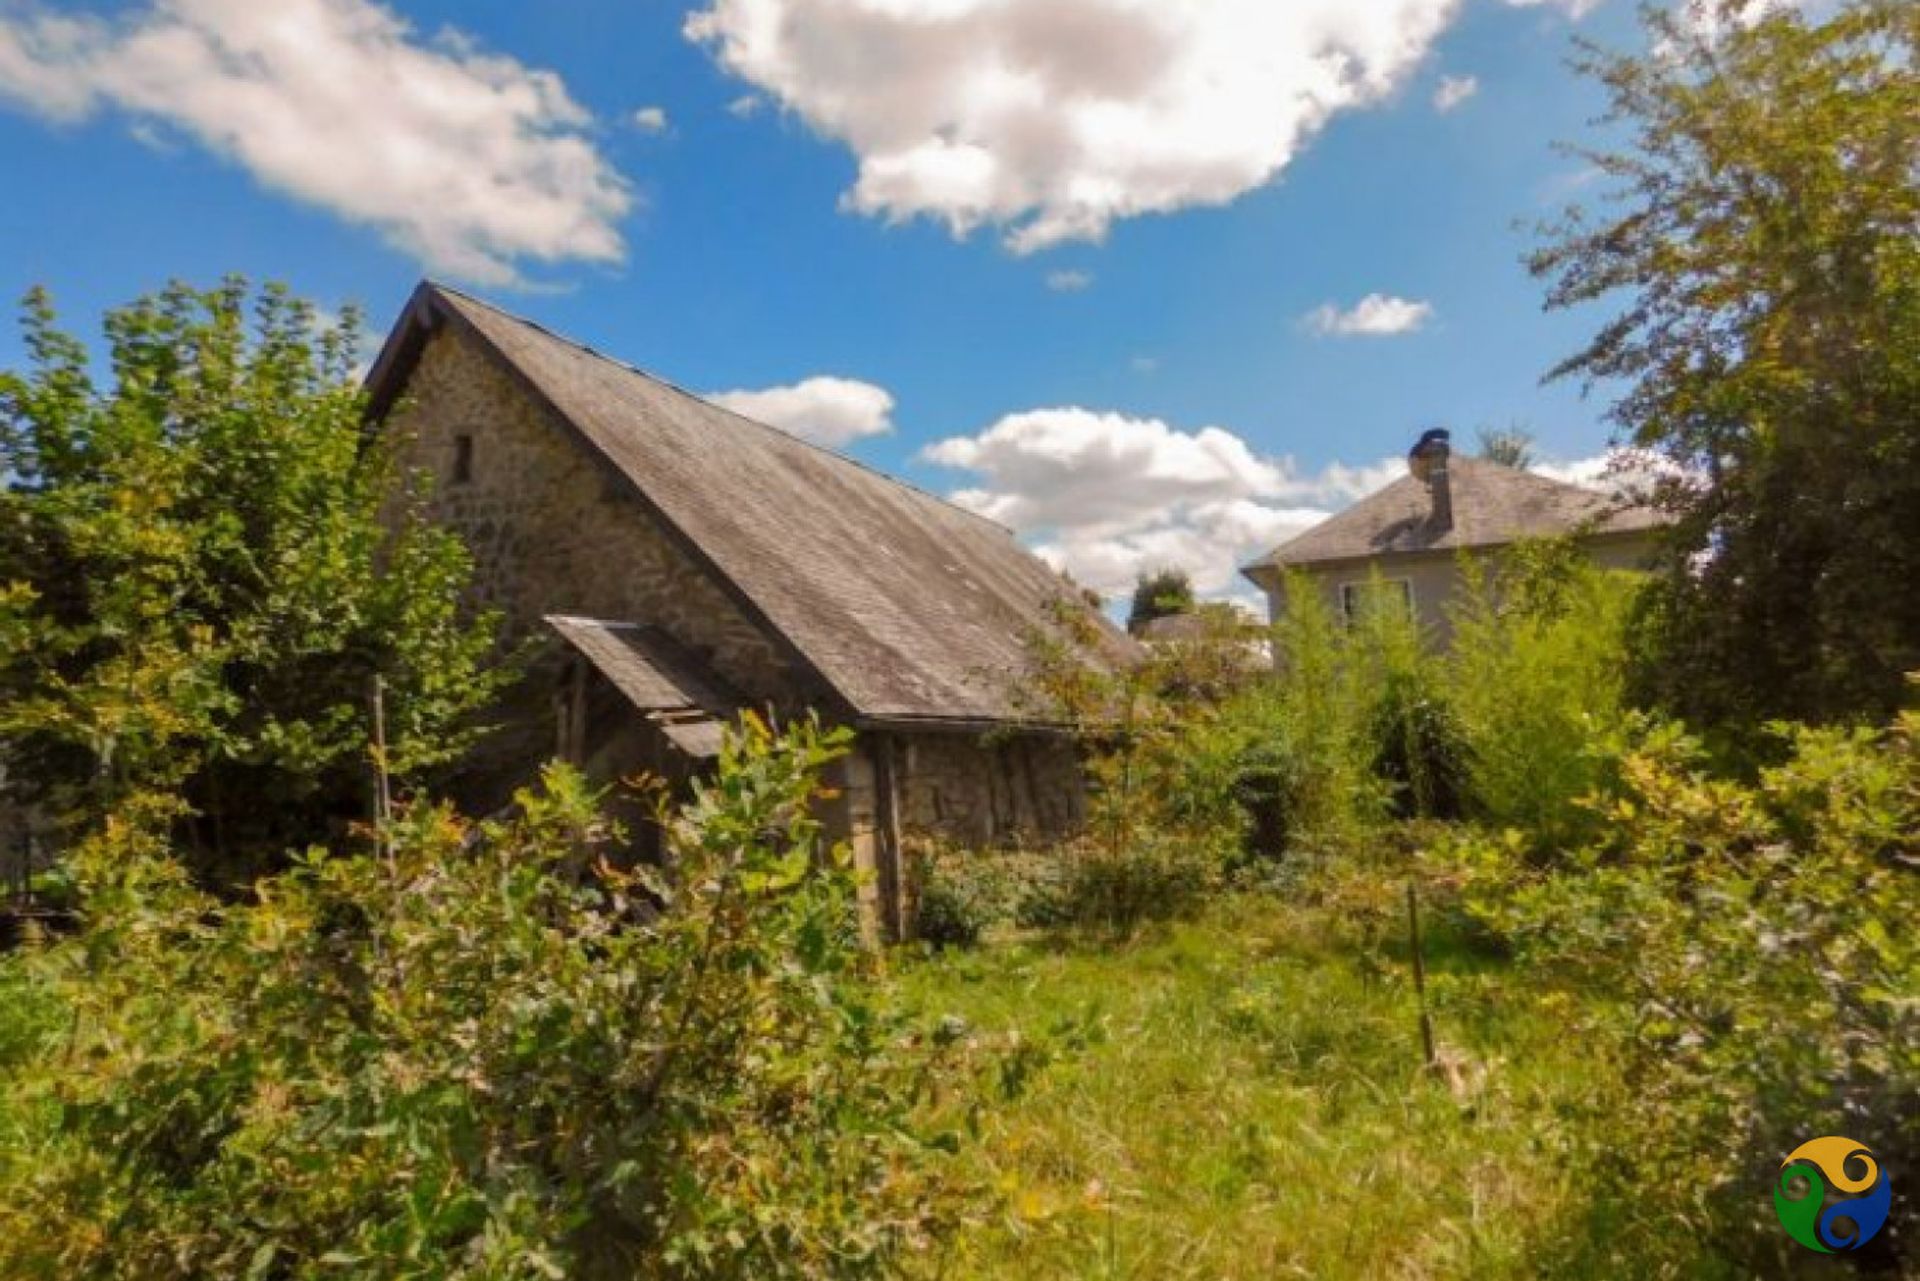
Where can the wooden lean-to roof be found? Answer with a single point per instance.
(657, 677)
(649, 668)
(1492, 505)
(912, 609)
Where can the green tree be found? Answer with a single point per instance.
(204, 563)
(1160, 594)
(1765, 237)
(1508, 446)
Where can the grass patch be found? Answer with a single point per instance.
(1243, 1096)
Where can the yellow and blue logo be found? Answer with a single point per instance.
(1819, 1194)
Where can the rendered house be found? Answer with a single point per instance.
(674, 563)
(1413, 531)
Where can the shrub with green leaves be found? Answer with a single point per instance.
(1163, 819)
(486, 1054)
(960, 894)
(1535, 678)
(204, 563)
(1758, 939)
(1351, 728)
(1159, 876)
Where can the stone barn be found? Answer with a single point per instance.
(670, 563)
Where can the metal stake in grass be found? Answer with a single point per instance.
(1420, 977)
(382, 781)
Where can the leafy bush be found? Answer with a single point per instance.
(1759, 941)
(487, 1054)
(1419, 749)
(1351, 729)
(1535, 678)
(1156, 878)
(203, 565)
(1159, 759)
(962, 893)
(947, 915)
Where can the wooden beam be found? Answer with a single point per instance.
(890, 858)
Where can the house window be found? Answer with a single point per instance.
(1394, 593)
(462, 459)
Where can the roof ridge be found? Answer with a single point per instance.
(672, 386)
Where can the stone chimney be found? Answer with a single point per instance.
(1427, 460)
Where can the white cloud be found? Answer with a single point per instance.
(1069, 282)
(746, 106)
(1454, 90)
(1575, 9)
(1375, 316)
(1710, 20)
(1050, 119)
(650, 120)
(468, 160)
(1106, 496)
(825, 410)
(1624, 473)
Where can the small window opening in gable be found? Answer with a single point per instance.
(462, 459)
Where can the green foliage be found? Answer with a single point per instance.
(1508, 446)
(1365, 723)
(1158, 876)
(487, 1054)
(963, 894)
(1352, 727)
(1758, 939)
(1535, 678)
(1160, 774)
(197, 585)
(1161, 594)
(1763, 236)
(1419, 749)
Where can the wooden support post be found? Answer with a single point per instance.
(570, 711)
(889, 855)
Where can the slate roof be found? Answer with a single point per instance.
(657, 676)
(910, 608)
(1492, 505)
(646, 665)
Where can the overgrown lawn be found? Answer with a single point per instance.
(1243, 1096)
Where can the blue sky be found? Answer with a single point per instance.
(1112, 296)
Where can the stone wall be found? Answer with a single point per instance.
(555, 530)
(973, 790)
(981, 791)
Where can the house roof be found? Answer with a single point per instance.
(657, 676)
(1492, 505)
(910, 608)
(647, 666)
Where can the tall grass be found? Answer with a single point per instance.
(1240, 1097)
